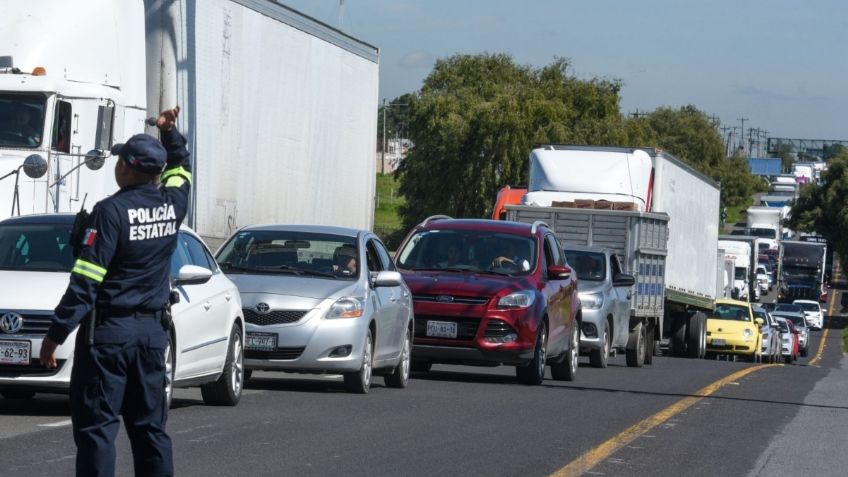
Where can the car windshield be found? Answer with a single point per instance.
(36, 247)
(291, 252)
(809, 307)
(764, 233)
(796, 320)
(21, 120)
(476, 251)
(589, 265)
(726, 311)
(740, 273)
(789, 307)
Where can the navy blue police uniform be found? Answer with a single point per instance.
(123, 274)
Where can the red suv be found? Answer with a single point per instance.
(489, 292)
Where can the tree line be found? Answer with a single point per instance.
(476, 117)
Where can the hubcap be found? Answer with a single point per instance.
(404, 368)
(238, 365)
(366, 362)
(543, 338)
(574, 345)
(169, 373)
(606, 345)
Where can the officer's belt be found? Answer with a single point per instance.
(105, 312)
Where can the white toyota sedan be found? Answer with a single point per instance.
(812, 313)
(206, 341)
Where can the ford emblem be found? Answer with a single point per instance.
(444, 299)
(11, 323)
(263, 308)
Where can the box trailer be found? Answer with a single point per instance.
(280, 110)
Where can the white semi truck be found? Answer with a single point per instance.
(764, 222)
(279, 109)
(660, 215)
(739, 252)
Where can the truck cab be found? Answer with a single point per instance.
(740, 254)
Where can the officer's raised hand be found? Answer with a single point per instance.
(168, 119)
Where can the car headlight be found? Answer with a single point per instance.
(747, 333)
(592, 301)
(519, 299)
(346, 307)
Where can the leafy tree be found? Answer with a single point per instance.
(396, 117)
(821, 208)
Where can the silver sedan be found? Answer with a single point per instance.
(321, 299)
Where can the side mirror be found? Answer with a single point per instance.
(94, 159)
(559, 272)
(192, 275)
(759, 322)
(35, 166)
(388, 279)
(623, 280)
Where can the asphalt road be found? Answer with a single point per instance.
(468, 421)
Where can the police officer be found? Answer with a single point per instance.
(122, 274)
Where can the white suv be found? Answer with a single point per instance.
(205, 346)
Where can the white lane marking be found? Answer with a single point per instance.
(66, 422)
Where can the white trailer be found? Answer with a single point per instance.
(636, 181)
(764, 222)
(279, 109)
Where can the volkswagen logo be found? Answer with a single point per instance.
(444, 299)
(11, 323)
(263, 308)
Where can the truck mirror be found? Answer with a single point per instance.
(35, 166)
(94, 159)
(623, 280)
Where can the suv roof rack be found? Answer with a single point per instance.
(536, 224)
(435, 217)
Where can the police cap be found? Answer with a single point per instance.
(142, 152)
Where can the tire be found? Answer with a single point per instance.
(17, 394)
(710, 355)
(247, 374)
(170, 366)
(695, 333)
(636, 346)
(599, 358)
(400, 375)
(419, 366)
(359, 382)
(566, 370)
(678, 334)
(226, 391)
(534, 372)
(650, 348)
(804, 352)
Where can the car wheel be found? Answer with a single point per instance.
(226, 391)
(710, 355)
(400, 375)
(534, 372)
(17, 394)
(600, 357)
(804, 352)
(420, 366)
(359, 382)
(636, 345)
(169, 371)
(566, 370)
(247, 374)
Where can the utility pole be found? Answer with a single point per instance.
(726, 139)
(383, 155)
(742, 137)
(751, 142)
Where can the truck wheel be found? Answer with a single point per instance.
(678, 334)
(566, 369)
(650, 348)
(534, 373)
(636, 345)
(600, 357)
(696, 335)
(226, 390)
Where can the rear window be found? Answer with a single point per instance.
(469, 250)
(36, 247)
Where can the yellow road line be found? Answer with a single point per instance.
(818, 355)
(593, 457)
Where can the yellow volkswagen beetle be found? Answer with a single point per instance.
(732, 330)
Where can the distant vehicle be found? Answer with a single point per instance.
(764, 222)
(772, 337)
(506, 196)
(763, 279)
(799, 321)
(321, 299)
(490, 292)
(605, 292)
(812, 312)
(802, 270)
(204, 345)
(733, 330)
(740, 249)
(789, 346)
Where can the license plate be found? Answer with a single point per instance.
(261, 341)
(718, 342)
(15, 352)
(441, 329)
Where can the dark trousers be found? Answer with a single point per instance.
(123, 372)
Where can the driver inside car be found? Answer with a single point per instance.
(510, 257)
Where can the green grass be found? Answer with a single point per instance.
(387, 222)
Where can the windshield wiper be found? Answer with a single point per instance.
(235, 268)
(314, 273)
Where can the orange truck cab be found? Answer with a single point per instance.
(508, 195)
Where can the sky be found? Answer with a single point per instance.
(781, 64)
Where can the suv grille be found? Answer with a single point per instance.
(466, 328)
(279, 353)
(34, 323)
(457, 300)
(498, 329)
(274, 317)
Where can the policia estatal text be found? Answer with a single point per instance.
(122, 275)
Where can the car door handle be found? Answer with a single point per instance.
(228, 296)
(207, 305)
